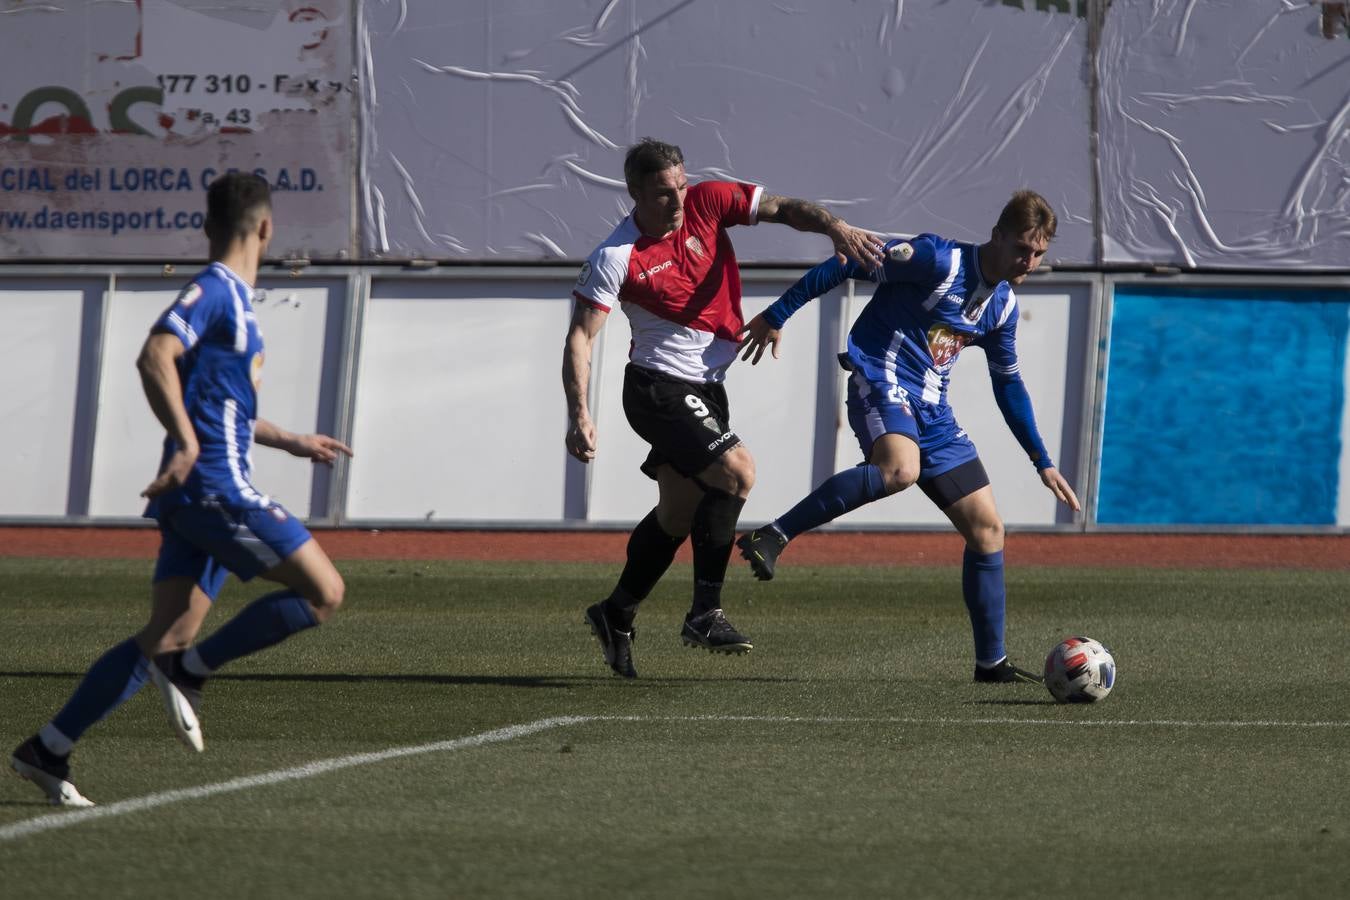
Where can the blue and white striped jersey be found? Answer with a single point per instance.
(221, 371)
(929, 304)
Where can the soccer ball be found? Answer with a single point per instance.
(1080, 670)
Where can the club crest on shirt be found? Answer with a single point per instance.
(585, 274)
(190, 295)
(944, 345)
(973, 306)
(255, 369)
(695, 245)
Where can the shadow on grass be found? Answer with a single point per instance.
(523, 681)
(1045, 702)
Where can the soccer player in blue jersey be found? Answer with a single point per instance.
(934, 296)
(201, 367)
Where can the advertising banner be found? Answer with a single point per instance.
(114, 117)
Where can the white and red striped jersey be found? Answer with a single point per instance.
(681, 292)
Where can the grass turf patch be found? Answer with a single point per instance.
(848, 753)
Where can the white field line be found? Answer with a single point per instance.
(308, 770)
(1099, 723)
(53, 821)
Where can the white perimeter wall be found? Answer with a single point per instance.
(447, 386)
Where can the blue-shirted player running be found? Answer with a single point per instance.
(934, 297)
(201, 368)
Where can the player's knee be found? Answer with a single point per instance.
(986, 536)
(741, 469)
(327, 597)
(733, 473)
(898, 476)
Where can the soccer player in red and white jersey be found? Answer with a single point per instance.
(671, 267)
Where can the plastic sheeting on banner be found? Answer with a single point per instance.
(1224, 137)
(497, 131)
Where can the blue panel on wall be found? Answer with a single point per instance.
(1223, 406)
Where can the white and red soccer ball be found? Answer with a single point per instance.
(1080, 670)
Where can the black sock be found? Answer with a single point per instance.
(712, 535)
(650, 552)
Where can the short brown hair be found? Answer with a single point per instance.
(1028, 211)
(647, 157)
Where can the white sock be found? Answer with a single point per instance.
(989, 665)
(192, 661)
(55, 741)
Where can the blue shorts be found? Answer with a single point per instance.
(205, 539)
(878, 407)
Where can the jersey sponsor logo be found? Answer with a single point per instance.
(648, 273)
(695, 245)
(901, 252)
(722, 439)
(944, 345)
(255, 369)
(585, 274)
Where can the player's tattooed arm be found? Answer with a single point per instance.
(804, 215)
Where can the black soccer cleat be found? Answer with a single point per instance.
(761, 548)
(616, 645)
(1004, 672)
(714, 633)
(32, 760)
(182, 693)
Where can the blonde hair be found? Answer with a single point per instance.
(1028, 211)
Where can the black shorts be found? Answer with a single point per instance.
(955, 484)
(686, 422)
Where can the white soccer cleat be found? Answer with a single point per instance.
(178, 702)
(47, 772)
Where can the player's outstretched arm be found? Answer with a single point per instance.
(757, 335)
(765, 329)
(1059, 486)
(158, 367)
(319, 447)
(849, 243)
(576, 377)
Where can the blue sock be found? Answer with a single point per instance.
(111, 681)
(982, 585)
(840, 493)
(266, 621)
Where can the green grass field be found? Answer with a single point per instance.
(848, 756)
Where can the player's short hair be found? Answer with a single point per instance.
(1028, 211)
(235, 204)
(647, 157)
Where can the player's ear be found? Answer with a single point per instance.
(265, 229)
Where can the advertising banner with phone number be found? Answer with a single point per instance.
(114, 118)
